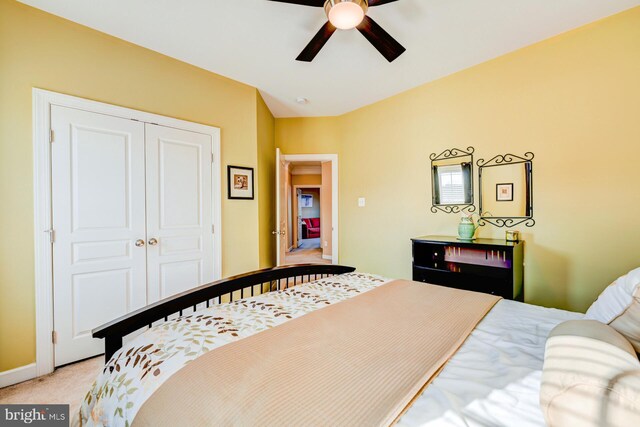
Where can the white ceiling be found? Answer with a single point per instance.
(256, 41)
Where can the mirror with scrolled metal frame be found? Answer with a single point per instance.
(505, 190)
(452, 181)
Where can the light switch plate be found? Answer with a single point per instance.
(361, 202)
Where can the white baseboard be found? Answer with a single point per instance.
(329, 257)
(17, 375)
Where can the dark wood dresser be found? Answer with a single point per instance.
(492, 266)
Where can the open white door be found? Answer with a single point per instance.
(281, 209)
(298, 224)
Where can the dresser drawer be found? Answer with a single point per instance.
(484, 265)
(501, 287)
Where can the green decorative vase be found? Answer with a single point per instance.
(466, 228)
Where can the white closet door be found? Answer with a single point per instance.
(179, 211)
(98, 194)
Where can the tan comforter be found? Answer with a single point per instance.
(358, 362)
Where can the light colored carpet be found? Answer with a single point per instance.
(308, 244)
(68, 384)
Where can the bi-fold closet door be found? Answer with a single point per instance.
(132, 216)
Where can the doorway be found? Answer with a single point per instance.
(307, 225)
(307, 207)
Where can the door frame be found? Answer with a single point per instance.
(333, 158)
(43, 212)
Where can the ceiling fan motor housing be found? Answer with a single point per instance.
(346, 14)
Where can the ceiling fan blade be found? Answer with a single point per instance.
(380, 39)
(379, 2)
(316, 43)
(315, 3)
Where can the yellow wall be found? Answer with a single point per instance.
(306, 179)
(41, 50)
(308, 135)
(266, 186)
(574, 100)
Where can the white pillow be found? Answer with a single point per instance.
(590, 377)
(619, 306)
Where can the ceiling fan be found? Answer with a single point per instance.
(346, 15)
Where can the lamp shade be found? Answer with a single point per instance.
(345, 14)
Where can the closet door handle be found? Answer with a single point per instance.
(139, 243)
(152, 242)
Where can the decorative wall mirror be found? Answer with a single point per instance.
(506, 190)
(452, 181)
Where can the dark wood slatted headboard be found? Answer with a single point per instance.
(275, 278)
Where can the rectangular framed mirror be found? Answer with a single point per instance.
(452, 181)
(506, 190)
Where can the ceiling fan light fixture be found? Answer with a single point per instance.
(346, 14)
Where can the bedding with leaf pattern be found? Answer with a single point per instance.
(142, 365)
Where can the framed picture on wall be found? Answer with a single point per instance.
(306, 201)
(240, 182)
(504, 192)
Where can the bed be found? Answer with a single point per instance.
(493, 378)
